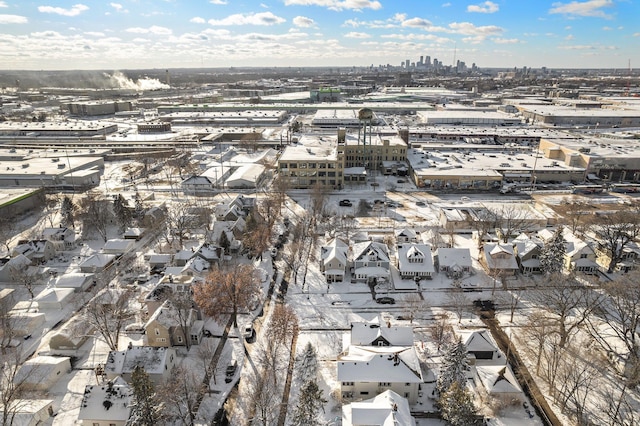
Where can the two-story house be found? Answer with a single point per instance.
(158, 362)
(527, 251)
(580, 255)
(499, 259)
(166, 327)
(333, 260)
(415, 261)
(370, 262)
(108, 404)
(455, 262)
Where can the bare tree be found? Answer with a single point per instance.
(14, 395)
(227, 292)
(108, 313)
(617, 406)
(180, 396)
(536, 331)
(25, 277)
(615, 232)
(575, 214)
(483, 222)
(567, 304)
(615, 327)
(510, 219)
(183, 307)
(441, 331)
(205, 355)
(414, 305)
(459, 302)
(283, 325)
(96, 214)
(7, 232)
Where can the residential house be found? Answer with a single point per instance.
(78, 281)
(228, 211)
(434, 238)
(165, 327)
(377, 357)
(66, 236)
(499, 259)
(158, 362)
(333, 260)
(9, 267)
(53, 298)
(41, 372)
(156, 297)
(38, 251)
(527, 251)
(133, 233)
(499, 382)
(118, 246)
(31, 412)
(406, 235)
(97, 262)
(210, 253)
(370, 262)
(481, 346)
(385, 409)
(71, 336)
(629, 261)
(580, 256)
(108, 404)
(414, 261)
(455, 262)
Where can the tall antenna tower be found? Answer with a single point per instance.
(455, 51)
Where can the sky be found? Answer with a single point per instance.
(143, 34)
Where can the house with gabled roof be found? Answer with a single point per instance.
(377, 357)
(527, 251)
(334, 260)
(406, 235)
(38, 251)
(108, 404)
(164, 328)
(97, 262)
(498, 381)
(386, 409)
(158, 362)
(414, 261)
(370, 262)
(118, 246)
(499, 259)
(481, 345)
(455, 262)
(10, 266)
(66, 236)
(580, 255)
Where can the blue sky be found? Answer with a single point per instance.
(129, 34)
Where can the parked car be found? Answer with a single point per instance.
(248, 331)
(386, 300)
(345, 203)
(231, 371)
(420, 203)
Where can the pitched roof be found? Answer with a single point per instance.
(498, 379)
(386, 409)
(393, 364)
(365, 333)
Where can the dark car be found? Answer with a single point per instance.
(420, 203)
(386, 300)
(345, 203)
(231, 371)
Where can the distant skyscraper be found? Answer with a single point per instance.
(407, 63)
(428, 61)
(421, 61)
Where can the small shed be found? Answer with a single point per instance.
(71, 336)
(78, 281)
(118, 246)
(97, 262)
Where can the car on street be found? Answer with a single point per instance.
(386, 300)
(345, 203)
(248, 331)
(420, 203)
(230, 371)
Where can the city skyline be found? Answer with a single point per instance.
(130, 34)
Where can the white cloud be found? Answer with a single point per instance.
(583, 8)
(3, 4)
(506, 40)
(568, 27)
(75, 10)
(467, 28)
(569, 37)
(13, 19)
(446, 4)
(262, 18)
(578, 47)
(607, 29)
(486, 7)
(151, 30)
(197, 20)
(337, 4)
(303, 22)
(94, 33)
(636, 34)
(354, 34)
(389, 23)
(417, 37)
(218, 1)
(417, 23)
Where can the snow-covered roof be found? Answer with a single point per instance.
(98, 260)
(73, 279)
(498, 379)
(151, 359)
(335, 249)
(119, 245)
(386, 409)
(413, 257)
(478, 341)
(454, 256)
(392, 364)
(110, 402)
(366, 248)
(500, 256)
(366, 333)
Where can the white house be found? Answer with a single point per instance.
(386, 409)
(406, 235)
(499, 382)
(108, 404)
(580, 256)
(333, 260)
(499, 259)
(481, 346)
(78, 281)
(118, 246)
(97, 262)
(53, 298)
(157, 362)
(455, 262)
(415, 261)
(370, 262)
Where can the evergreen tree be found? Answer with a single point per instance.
(224, 242)
(456, 406)
(454, 368)
(139, 208)
(67, 210)
(552, 254)
(309, 403)
(145, 408)
(308, 363)
(121, 211)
